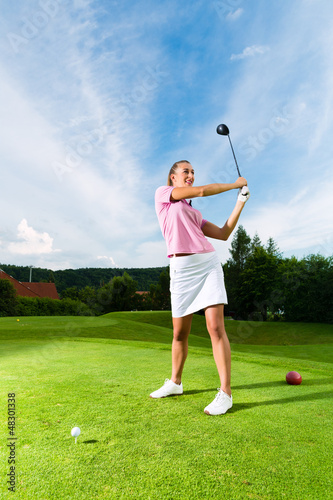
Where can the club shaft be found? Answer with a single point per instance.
(232, 149)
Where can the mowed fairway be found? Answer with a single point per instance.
(97, 373)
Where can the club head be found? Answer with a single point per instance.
(222, 129)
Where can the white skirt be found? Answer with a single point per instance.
(196, 282)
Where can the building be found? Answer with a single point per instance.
(26, 289)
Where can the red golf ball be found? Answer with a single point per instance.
(293, 378)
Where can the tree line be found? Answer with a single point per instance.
(261, 285)
(83, 277)
(119, 294)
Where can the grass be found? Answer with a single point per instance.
(97, 373)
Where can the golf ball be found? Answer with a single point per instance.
(75, 431)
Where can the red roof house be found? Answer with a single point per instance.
(26, 289)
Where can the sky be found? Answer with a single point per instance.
(99, 98)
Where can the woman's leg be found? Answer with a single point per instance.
(181, 331)
(220, 344)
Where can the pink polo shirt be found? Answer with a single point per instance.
(181, 224)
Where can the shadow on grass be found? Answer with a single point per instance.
(293, 399)
(90, 441)
(198, 391)
(277, 383)
(260, 385)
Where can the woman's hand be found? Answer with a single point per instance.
(223, 233)
(240, 182)
(243, 194)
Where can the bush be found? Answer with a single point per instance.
(31, 306)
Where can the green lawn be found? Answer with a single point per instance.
(97, 373)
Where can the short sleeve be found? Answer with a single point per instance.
(203, 223)
(163, 193)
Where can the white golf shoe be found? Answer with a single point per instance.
(221, 404)
(168, 389)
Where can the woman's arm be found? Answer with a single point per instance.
(181, 193)
(223, 233)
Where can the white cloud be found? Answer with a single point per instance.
(151, 254)
(105, 261)
(303, 223)
(250, 52)
(33, 243)
(232, 16)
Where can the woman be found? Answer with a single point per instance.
(196, 276)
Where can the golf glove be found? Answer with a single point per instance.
(243, 194)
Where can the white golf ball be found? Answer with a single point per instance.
(75, 431)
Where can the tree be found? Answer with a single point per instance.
(240, 251)
(7, 298)
(256, 242)
(260, 292)
(160, 293)
(253, 278)
(117, 295)
(272, 248)
(88, 296)
(240, 248)
(70, 293)
(123, 290)
(51, 277)
(308, 289)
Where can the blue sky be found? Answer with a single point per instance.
(100, 98)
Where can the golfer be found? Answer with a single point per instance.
(196, 275)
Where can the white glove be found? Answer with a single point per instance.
(243, 194)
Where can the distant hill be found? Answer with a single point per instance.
(85, 276)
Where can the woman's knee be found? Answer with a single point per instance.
(215, 321)
(180, 335)
(182, 328)
(216, 330)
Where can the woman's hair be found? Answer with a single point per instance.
(173, 170)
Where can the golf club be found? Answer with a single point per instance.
(223, 130)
